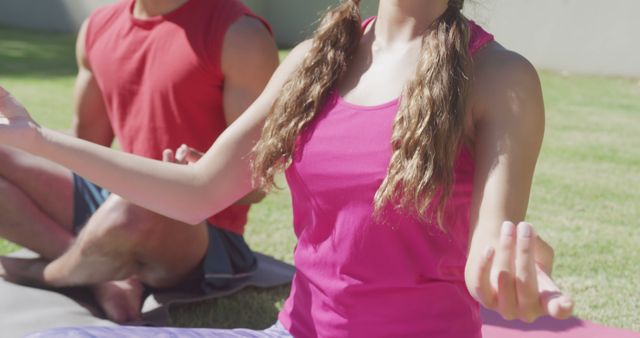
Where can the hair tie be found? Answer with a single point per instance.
(456, 4)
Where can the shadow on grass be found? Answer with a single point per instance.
(35, 54)
(252, 308)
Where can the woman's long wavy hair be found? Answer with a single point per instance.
(427, 130)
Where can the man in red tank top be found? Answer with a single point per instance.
(153, 74)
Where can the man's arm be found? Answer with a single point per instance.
(249, 58)
(90, 121)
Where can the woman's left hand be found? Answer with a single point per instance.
(514, 278)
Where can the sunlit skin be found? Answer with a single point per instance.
(122, 245)
(508, 266)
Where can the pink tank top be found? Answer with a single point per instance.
(358, 278)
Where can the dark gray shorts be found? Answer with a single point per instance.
(228, 258)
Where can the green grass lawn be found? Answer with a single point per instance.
(585, 199)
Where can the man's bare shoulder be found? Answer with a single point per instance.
(250, 32)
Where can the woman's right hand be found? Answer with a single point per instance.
(513, 278)
(16, 125)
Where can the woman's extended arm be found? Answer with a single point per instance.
(503, 270)
(186, 193)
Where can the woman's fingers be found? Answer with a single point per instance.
(485, 293)
(10, 108)
(3, 92)
(556, 304)
(553, 301)
(526, 281)
(544, 255)
(502, 275)
(511, 282)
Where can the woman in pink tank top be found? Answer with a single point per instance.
(409, 143)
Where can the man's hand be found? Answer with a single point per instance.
(514, 281)
(183, 155)
(187, 155)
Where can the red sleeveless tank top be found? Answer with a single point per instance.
(161, 78)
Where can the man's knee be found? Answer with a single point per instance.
(121, 221)
(8, 159)
(11, 159)
(6, 153)
(8, 193)
(6, 187)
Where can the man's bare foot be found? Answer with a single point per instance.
(3, 273)
(120, 300)
(26, 271)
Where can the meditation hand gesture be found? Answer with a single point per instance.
(16, 124)
(514, 279)
(183, 155)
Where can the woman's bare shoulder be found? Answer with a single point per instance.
(502, 76)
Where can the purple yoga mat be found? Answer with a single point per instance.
(546, 327)
(20, 305)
